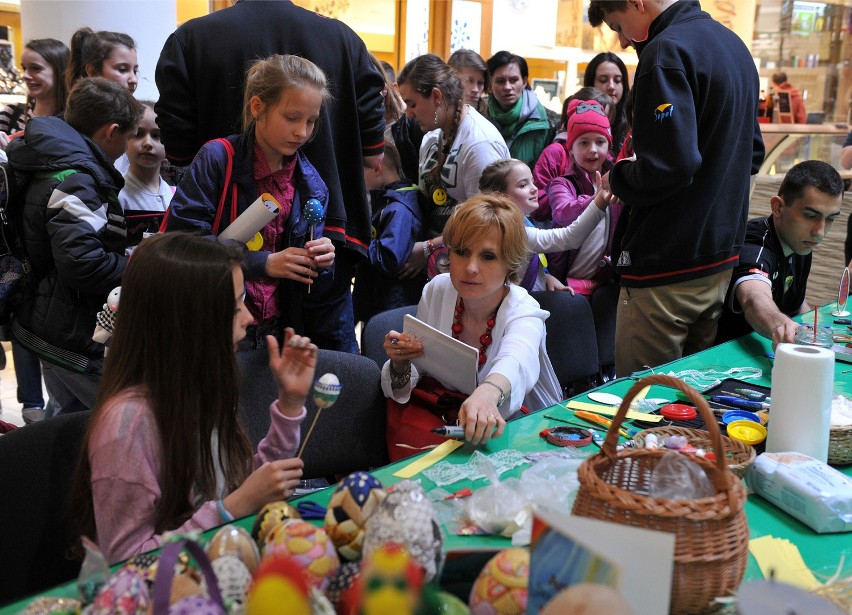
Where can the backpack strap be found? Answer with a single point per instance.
(229, 170)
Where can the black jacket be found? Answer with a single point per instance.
(201, 75)
(75, 235)
(697, 142)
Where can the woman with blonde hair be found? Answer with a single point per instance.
(479, 303)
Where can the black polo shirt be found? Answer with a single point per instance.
(762, 258)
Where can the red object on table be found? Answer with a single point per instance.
(678, 412)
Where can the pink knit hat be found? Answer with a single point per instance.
(586, 116)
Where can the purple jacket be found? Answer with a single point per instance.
(568, 196)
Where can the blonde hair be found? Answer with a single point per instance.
(269, 78)
(477, 216)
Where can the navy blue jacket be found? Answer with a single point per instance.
(75, 235)
(193, 209)
(697, 142)
(397, 225)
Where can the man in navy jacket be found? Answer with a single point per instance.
(697, 142)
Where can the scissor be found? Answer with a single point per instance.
(310, 510)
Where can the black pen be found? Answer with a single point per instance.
(450, 431)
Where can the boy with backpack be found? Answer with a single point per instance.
(74, 233)
(397, 222)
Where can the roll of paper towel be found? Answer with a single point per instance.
(255, 217)
(800, 411)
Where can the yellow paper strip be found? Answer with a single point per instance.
(434, 456)
(641, 394)
(611, 411)
(781, 560)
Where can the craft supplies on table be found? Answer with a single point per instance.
(711, 533)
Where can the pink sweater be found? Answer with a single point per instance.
(124, 453)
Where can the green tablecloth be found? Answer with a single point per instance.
(821, 552)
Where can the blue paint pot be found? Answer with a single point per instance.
(739, 415)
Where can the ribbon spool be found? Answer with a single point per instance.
(567, 436)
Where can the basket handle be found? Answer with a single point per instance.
(720, 478)
(162, 589)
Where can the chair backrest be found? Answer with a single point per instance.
(349, 436)
(604, 303)
(571, 343)
(37, 463)
(374, 331)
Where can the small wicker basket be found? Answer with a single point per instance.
(739, 454)
(711, 534)
(840, 445)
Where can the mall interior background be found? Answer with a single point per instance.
(808, 40)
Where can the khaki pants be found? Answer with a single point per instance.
(663, 323)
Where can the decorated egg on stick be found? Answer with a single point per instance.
(314, 214)
(326, 391)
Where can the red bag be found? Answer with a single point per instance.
(430, 405)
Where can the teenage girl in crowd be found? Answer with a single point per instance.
(43, 61)
(512, 178)
(283, 97)
(459, 143)
(145, 196)
(608, 73)
(111, 55)
(165, 450)
(474, 77)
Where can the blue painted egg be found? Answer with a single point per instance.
(313, 212)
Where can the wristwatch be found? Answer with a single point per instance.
(502, 397)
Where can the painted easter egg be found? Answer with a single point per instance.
(310, 547)
(124, 592)
(313, 212)
(233, 540)
(270, 516)
(326, 390)
(341, 588)
(407, 516)
(501, 587)
(351, 504)
(234, 580)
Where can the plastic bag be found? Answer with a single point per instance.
(677, 477)
(501, 507)
(552, 483)
(93, 572)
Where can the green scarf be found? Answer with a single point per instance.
(508, 120)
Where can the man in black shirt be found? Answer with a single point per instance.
(768, 286)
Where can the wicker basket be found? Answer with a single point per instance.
(711, 534)
(739, 454)
(840, 445)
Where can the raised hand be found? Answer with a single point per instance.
(293, 368)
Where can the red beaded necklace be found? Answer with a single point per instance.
(484, 339)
